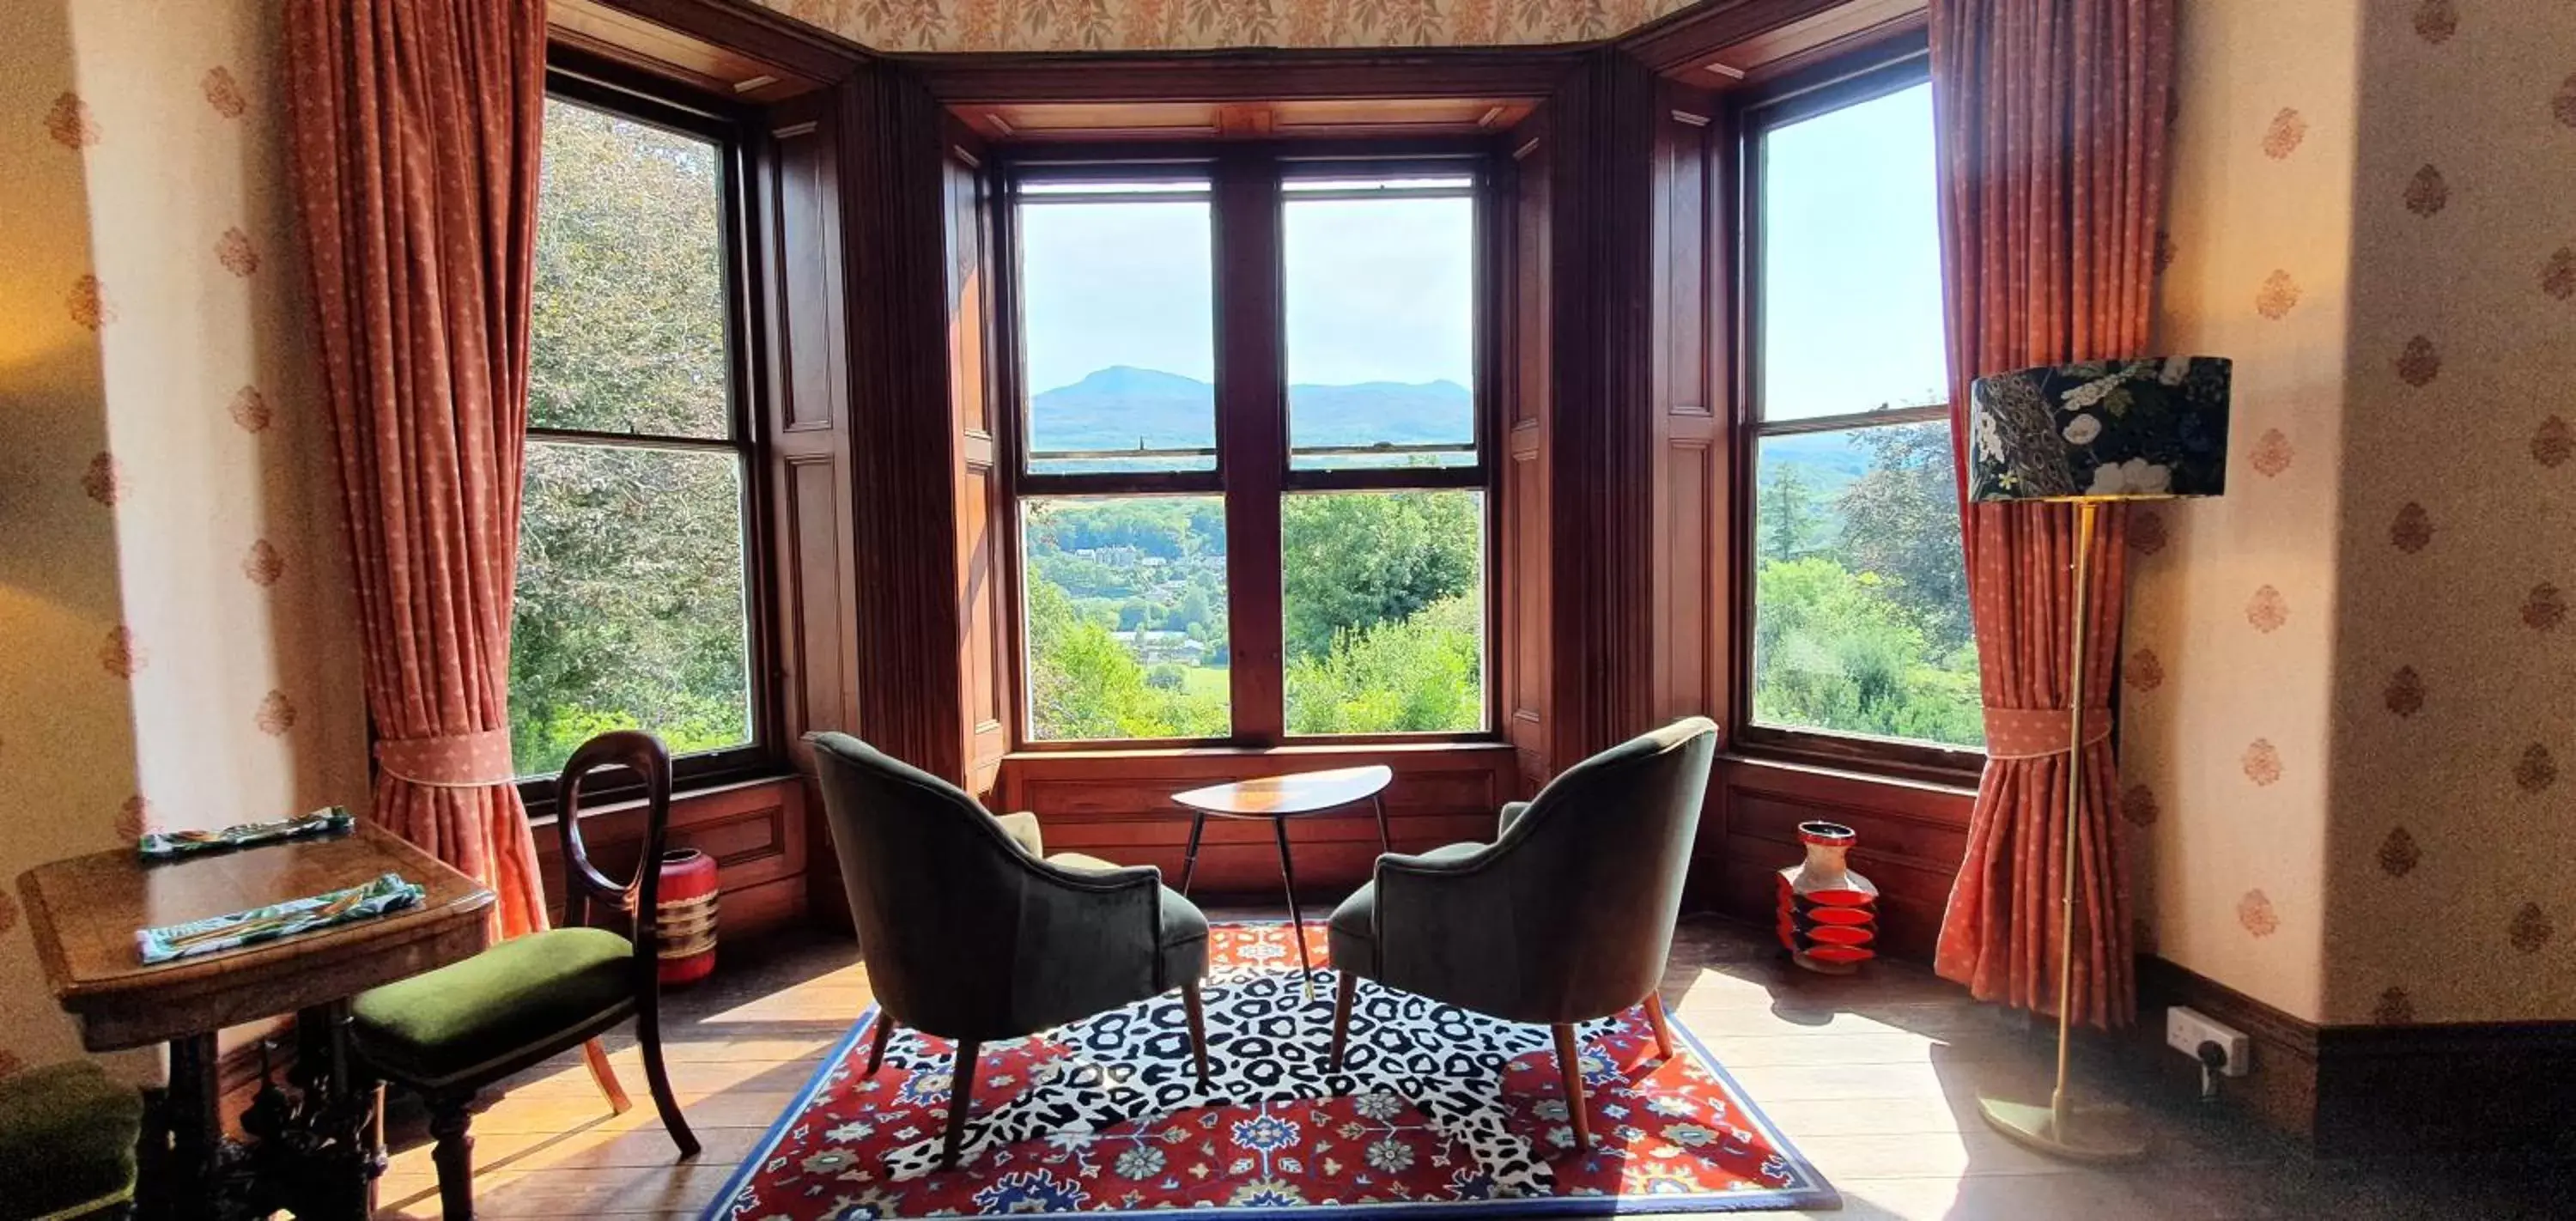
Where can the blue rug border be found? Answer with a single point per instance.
(1822, 1196)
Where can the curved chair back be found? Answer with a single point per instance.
(1583, 889)
(584, 885)
(954, 919)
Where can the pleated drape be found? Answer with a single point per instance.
(416, 129)
(2051, 118)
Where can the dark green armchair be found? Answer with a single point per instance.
(971, 934)
(1566, 917)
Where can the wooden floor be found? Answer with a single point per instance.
(1874, 1077)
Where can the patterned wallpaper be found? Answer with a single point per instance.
(2227, 700)
(1102, 25)
(180, 647)
(2346, 704)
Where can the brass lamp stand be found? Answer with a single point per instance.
(2058, 1128)
(2098, 431)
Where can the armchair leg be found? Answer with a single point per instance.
(1344, 993)
(453, 1155)
(1198, 1029)
(883, 1035)
(961, 1100)
(1569, 1067)
(596, 1056)
(1662, 1024)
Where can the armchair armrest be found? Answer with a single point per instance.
(1022, 828)
(1512, 811)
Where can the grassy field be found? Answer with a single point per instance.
(1209, 681)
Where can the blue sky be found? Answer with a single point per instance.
(1851, 285)
(1379, 290)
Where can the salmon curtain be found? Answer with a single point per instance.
(415, 127)
(2051, 119)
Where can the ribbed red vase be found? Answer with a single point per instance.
(684, 918)
(1828, 914)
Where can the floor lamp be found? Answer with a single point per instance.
(2150, 429)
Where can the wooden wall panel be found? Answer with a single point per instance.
(981, 508)
(1911, 838)
(1118, 807)
(1687, 431)
(1523, 266)
(756, 832)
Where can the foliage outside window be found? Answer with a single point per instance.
(1860, 608)
(632, 607)
(1130, 618)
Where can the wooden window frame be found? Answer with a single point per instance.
(590, 80)
(1879, 70)
(1252, 474)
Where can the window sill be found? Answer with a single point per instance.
(1299, 750)
(1942, 782)
(682, 793)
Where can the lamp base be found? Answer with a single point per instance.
(2097, 1137)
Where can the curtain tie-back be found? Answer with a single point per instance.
(2036, 733)
(450, 761)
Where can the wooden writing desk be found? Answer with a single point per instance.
(84, 912)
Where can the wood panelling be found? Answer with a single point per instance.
(1523, 268)
(981, 509)
(1117, 805)
(1600, 430)
(609, 31)
(1311, 118)
(1912, 835)
(1245, 75)
(756, 832)
(1688, 468)
(1728, 42)
(2373, 1089)
(906, 438)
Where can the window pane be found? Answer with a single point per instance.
(629, 328)
(1118, 331)
(630, 611)
(1860, 604)
(1380, 331)
(1126, 614)
(1850, 305)
(1383, 594)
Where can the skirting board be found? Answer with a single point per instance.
(2360, 1089)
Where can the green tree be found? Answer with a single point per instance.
(1831, 650)
(1789, 515)
(1907, 509)
(1420, 673)
(1353, 560)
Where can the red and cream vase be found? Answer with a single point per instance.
(1828, 914)
(684, 916)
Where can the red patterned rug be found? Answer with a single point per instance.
(1436, 1109)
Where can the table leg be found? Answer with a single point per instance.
(340, 1107)
(1296, 921)
(183, 1182)
(1190, 862)
(1385, 844)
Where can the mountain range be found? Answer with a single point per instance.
(1124, 407)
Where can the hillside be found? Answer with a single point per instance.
(1123, 407)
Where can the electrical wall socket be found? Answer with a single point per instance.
(2187, 1028)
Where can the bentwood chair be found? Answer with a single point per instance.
(449, 1033)
(1566, 917)
(972, 934)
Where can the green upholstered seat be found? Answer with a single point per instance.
(67, 1137)
(442, 1025)
(1353, 928)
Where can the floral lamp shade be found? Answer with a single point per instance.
(2103, 430)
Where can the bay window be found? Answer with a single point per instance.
(1251, 467)
(1859, 633)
